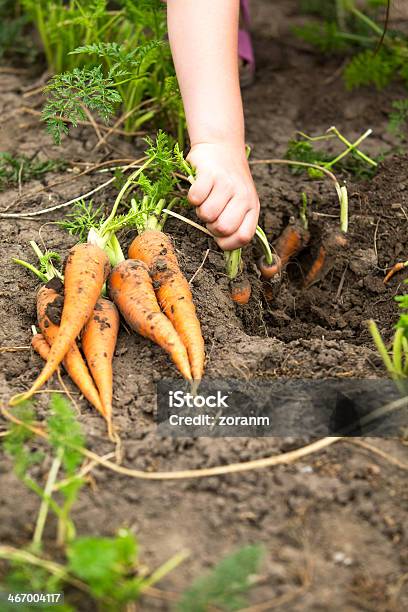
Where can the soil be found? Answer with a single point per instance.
(333, 524)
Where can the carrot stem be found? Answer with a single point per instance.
(263, 240)
(45, 503)
(381, 348)
(233, 263)
(353, 146)
(32, 269)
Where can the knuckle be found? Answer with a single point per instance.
(207, 216)
(244, 236)
(193, 196)
(222, 228)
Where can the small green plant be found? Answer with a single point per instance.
(395, 361)
(105, 60)
(352, 160)
(15, 170)
(13, 41)
(378, 57)
(66, 441)
(106, 569)
(226, 585)
(399, 118)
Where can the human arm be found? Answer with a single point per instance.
(204, 39)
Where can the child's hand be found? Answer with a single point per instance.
(224, 193)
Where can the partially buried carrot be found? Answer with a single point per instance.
(86, 270)
(98, 344)
(241, 291)
(155, 249)
(131, 288)
(333, 242)
(315, 270)
(49, 306)
(293, 239)
(394, 270)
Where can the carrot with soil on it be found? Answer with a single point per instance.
(131, 288)
(155, 249)
(49, 308)
(317, 266)
(98, 344)
(293, 239)
(41, 346)
(86, 270)
(394, 270)
(333, 242)
(241, 291)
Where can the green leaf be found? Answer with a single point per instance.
(70, 92)
(106, 564)
(325, 36)
(399, 117)
(225, 586)
(370, 68)
(82, 218)
(65, 432)
(15, 444)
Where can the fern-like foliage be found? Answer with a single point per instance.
(398, 118)
(370, 68)
(82, 218)
(70, 92)
(21, 169)
(226, 586)
(325, 36)
(303, 151)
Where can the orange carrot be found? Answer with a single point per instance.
(131, 288)
(241, 291)
(41, 346)
(332, 243)
(269, 271)
(293, 239)
(155, 249)
(98, 344)
(49, 305)
(86, 270)
(394, 270)
(316, 268)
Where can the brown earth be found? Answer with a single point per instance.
(333, 524)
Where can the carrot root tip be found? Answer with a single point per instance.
(19, 398)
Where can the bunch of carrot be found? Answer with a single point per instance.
(149, 290)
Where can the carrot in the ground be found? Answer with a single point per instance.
(49, 306)
(131, 288)
(155, 249)
(316, 268)
(269, 271)
(332, 243)
(293, 239)
(98, 344)
(86, 270)
(396, 268)
(241, 291)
